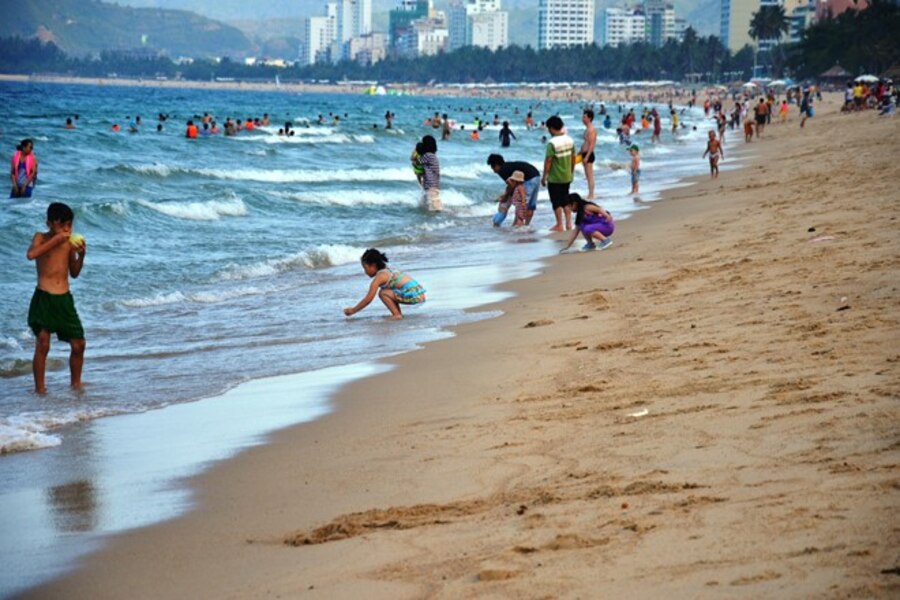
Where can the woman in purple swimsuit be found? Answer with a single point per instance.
(593, 222)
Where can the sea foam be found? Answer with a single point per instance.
(316, 257)
(210, 210)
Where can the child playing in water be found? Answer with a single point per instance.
(24, 170)
(58, 255)
(418, 169)
(635, 169)
(515, 195)
(393, 287)
(715, 151)
(593, 222)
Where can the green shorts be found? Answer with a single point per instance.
(55, 313)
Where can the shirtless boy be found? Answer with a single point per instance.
(587, 149)
(716, 151)
(52, 307)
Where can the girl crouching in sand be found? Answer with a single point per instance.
(593, 222)
(393, 287)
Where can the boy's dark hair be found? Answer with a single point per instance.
(429, 144)
(375, 257)
(420, 148)
(555, 123)
(506, 123)
(58, 212)
(495, 160)
(590, 113)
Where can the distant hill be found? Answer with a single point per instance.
(83, 27)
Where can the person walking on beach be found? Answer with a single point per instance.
(715, 150)
(59, 255)
(431, 178)
(761, 112)
(806, 110)
(393, 287)
(532, 180)
(505, 135)
(24, 170)
(559, 167)
(587, 149)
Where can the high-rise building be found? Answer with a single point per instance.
(368, 49)
(565, 23)
(401, 18)
(660, 21)
(319, 33)
(477, 23)
(622, 26)
(424, 37)
(354, 19)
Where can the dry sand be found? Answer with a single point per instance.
(505, 463)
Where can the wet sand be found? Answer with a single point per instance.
(707, 409)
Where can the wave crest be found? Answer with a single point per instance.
(210, 210)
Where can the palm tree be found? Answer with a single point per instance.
(768, 23)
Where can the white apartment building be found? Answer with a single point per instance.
(622, 26)
(478, 23)
(565, 23)
(425, 37)
(368, 49)
(353, 19)
(489, 30)
(318, 35)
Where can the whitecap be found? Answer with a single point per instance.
(210, 210)
(316, 257)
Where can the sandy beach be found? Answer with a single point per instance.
(708, 409)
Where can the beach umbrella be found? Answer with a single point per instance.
(778, 83)
(749, 84)
(866, 79)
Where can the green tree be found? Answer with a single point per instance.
(769, 23)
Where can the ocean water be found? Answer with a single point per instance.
(219, 260)
(218, 263)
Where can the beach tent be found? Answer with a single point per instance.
(836, 72)
(892, 73)
(866, 79)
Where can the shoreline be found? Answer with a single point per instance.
(514, 444)
(561, 92)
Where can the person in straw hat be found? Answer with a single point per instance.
(515, 196)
